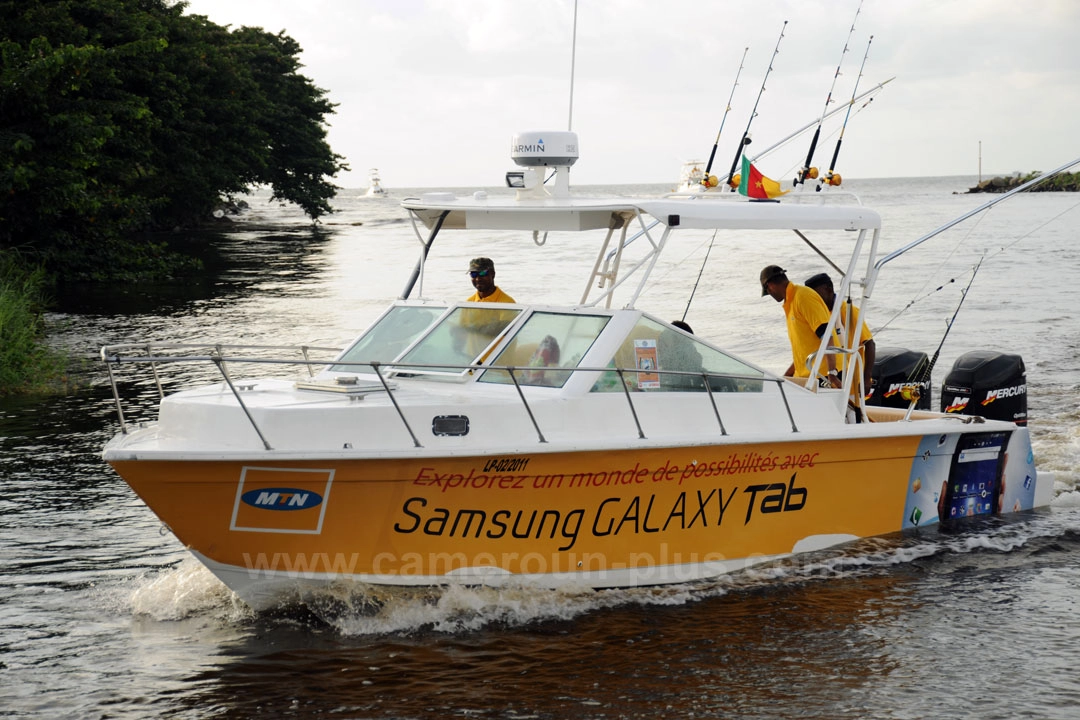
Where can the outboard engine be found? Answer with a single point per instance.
(892, 368)
(987, 383)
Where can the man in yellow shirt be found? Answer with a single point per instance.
(849, 318)
(483, 326)
(807, 319)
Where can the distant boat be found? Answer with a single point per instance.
(693, 172)
(375, 188)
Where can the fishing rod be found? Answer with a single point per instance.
(691, 299)
(753, 113)
(985, 206)
(831, 178)
(832, 112)
(952, 280)
(808, 171)
(928, 368)
(712, 155)
(869, 287)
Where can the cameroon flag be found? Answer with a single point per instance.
(754, 184)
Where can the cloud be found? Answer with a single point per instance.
(430, 92)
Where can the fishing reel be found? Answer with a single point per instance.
(831, 179)
(911, 392)
(806, 174)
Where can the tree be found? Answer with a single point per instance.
(121, 116)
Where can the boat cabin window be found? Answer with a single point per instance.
(660, 358)
(389, 337)
(547, 348)
(464, 337)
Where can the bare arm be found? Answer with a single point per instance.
(869, 353)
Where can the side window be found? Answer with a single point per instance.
(547, 348)
(721, 366)
(655, 357)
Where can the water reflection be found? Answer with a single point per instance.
(234, 263)
(629, 661)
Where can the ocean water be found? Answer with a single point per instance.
(104, 614)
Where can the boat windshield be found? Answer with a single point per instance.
(547, 348)
(463, 337)
(656, 355)
(389, 337)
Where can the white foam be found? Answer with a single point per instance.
(183, 591)
(1068, 499)
(457, 608)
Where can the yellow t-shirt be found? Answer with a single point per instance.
(483, 325)
(497, 297)
(805, 312)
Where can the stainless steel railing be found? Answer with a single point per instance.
(153, 355)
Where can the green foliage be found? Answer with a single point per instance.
(1062, 182)
(118, 116)
(26, 364)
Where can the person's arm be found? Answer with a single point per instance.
(830, 359)
(869, 353)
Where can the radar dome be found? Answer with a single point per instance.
(544, 149)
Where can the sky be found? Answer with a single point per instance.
(431, 92)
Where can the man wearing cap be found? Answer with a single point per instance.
(807, 319)
(849, 318)
(482, 272)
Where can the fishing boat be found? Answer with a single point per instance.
(692, 178)
(375, 188)
(589, 444)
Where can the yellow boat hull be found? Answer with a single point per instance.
(601, 518)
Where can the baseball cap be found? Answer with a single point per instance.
(480, 264)
(771, 272)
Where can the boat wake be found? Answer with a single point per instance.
(189, 590)
(183, 591)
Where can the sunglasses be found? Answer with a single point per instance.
(478, 273)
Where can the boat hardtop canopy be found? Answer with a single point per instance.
(654, 217)
(485, 212)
